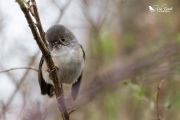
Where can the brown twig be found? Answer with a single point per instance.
(47, 56)
(61, 9)
(71, 111)
(18, 85)
(157, 99)
(11, 77)
(38, 22)
(18, 68)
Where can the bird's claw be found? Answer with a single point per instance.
(53, 94)
(54, 69)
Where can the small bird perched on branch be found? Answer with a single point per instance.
(68, 56)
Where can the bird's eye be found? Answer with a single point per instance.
(63, 38)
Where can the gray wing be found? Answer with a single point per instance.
(75, 87)
(45, 87)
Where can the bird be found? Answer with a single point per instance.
(68, 56)
(151, 9)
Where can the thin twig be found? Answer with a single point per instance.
(46, 54)
(71, 111)
(18, 85)
(18, 68)
(157, 99)
(38, 22)
(61, 9)
(11, 77)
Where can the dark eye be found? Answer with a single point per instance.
(63, 39)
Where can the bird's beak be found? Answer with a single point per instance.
(55, 44)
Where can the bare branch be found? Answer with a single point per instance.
(19, 68)
(157, 99)
(38, 22)
(18, 85)
(62, 10)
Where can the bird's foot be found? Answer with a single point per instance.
(54, 69)
(53, 94)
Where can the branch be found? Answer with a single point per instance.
(61, 9)
(157, 99)
(38, 22)
(47, 56)
(18, 68)
(18, 85)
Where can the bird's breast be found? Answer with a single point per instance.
(70, 64)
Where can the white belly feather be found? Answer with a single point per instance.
(70, 63)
